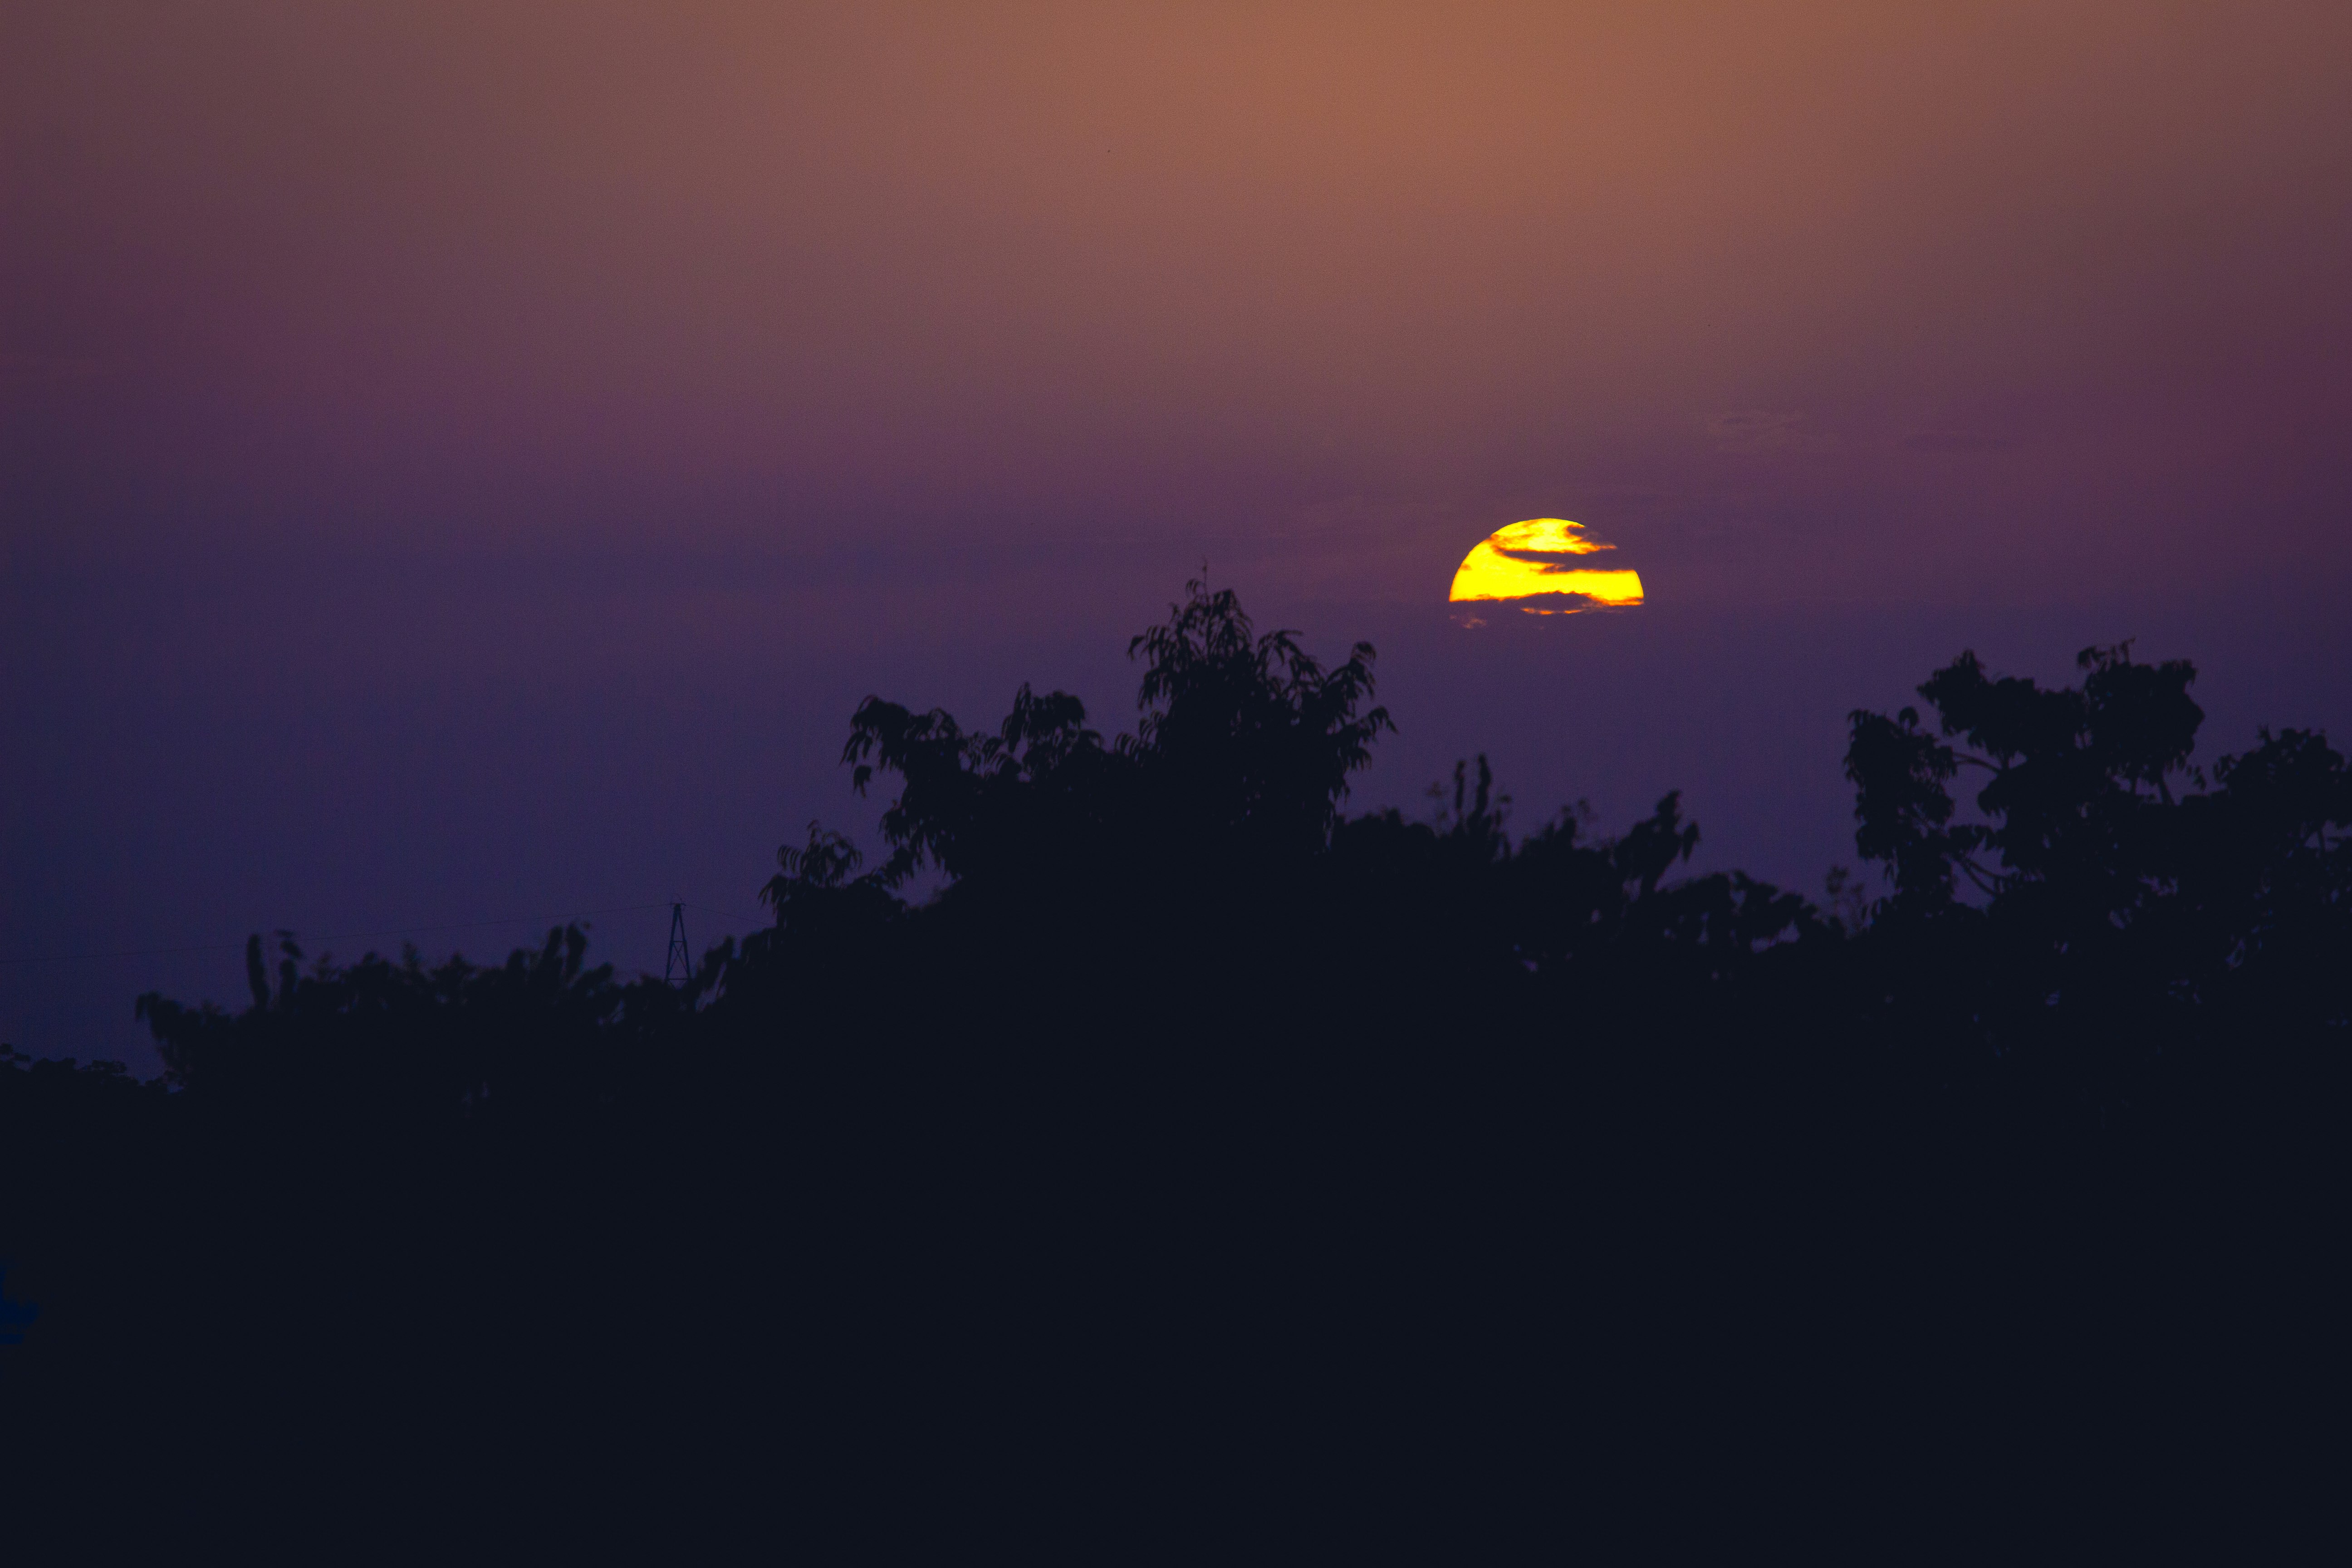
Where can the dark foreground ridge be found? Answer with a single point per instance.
(1199, 1141)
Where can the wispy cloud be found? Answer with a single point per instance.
(1758, 430)
(48, 367)
(1957, 441)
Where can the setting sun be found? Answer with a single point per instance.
(1531, 559)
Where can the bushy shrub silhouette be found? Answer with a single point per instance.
(1190, 1110)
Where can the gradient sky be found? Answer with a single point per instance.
(461, 462)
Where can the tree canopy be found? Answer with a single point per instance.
(1185, 1081)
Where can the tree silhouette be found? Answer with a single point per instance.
(1190, 1114)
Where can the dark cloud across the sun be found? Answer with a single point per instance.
(1545, 566)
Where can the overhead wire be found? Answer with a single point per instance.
(733, 915)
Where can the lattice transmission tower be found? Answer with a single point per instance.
(679, 967)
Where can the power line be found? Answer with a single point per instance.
(734, 915)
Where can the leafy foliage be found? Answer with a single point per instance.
(1186, 1077)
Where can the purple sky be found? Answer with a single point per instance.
(461, 463)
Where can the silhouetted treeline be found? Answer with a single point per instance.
(1196, 1127)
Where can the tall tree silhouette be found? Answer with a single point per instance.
(1241, 753)
(1191, 1115)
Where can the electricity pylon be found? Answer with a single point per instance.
(679, 967)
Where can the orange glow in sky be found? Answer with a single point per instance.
(1532, 559)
